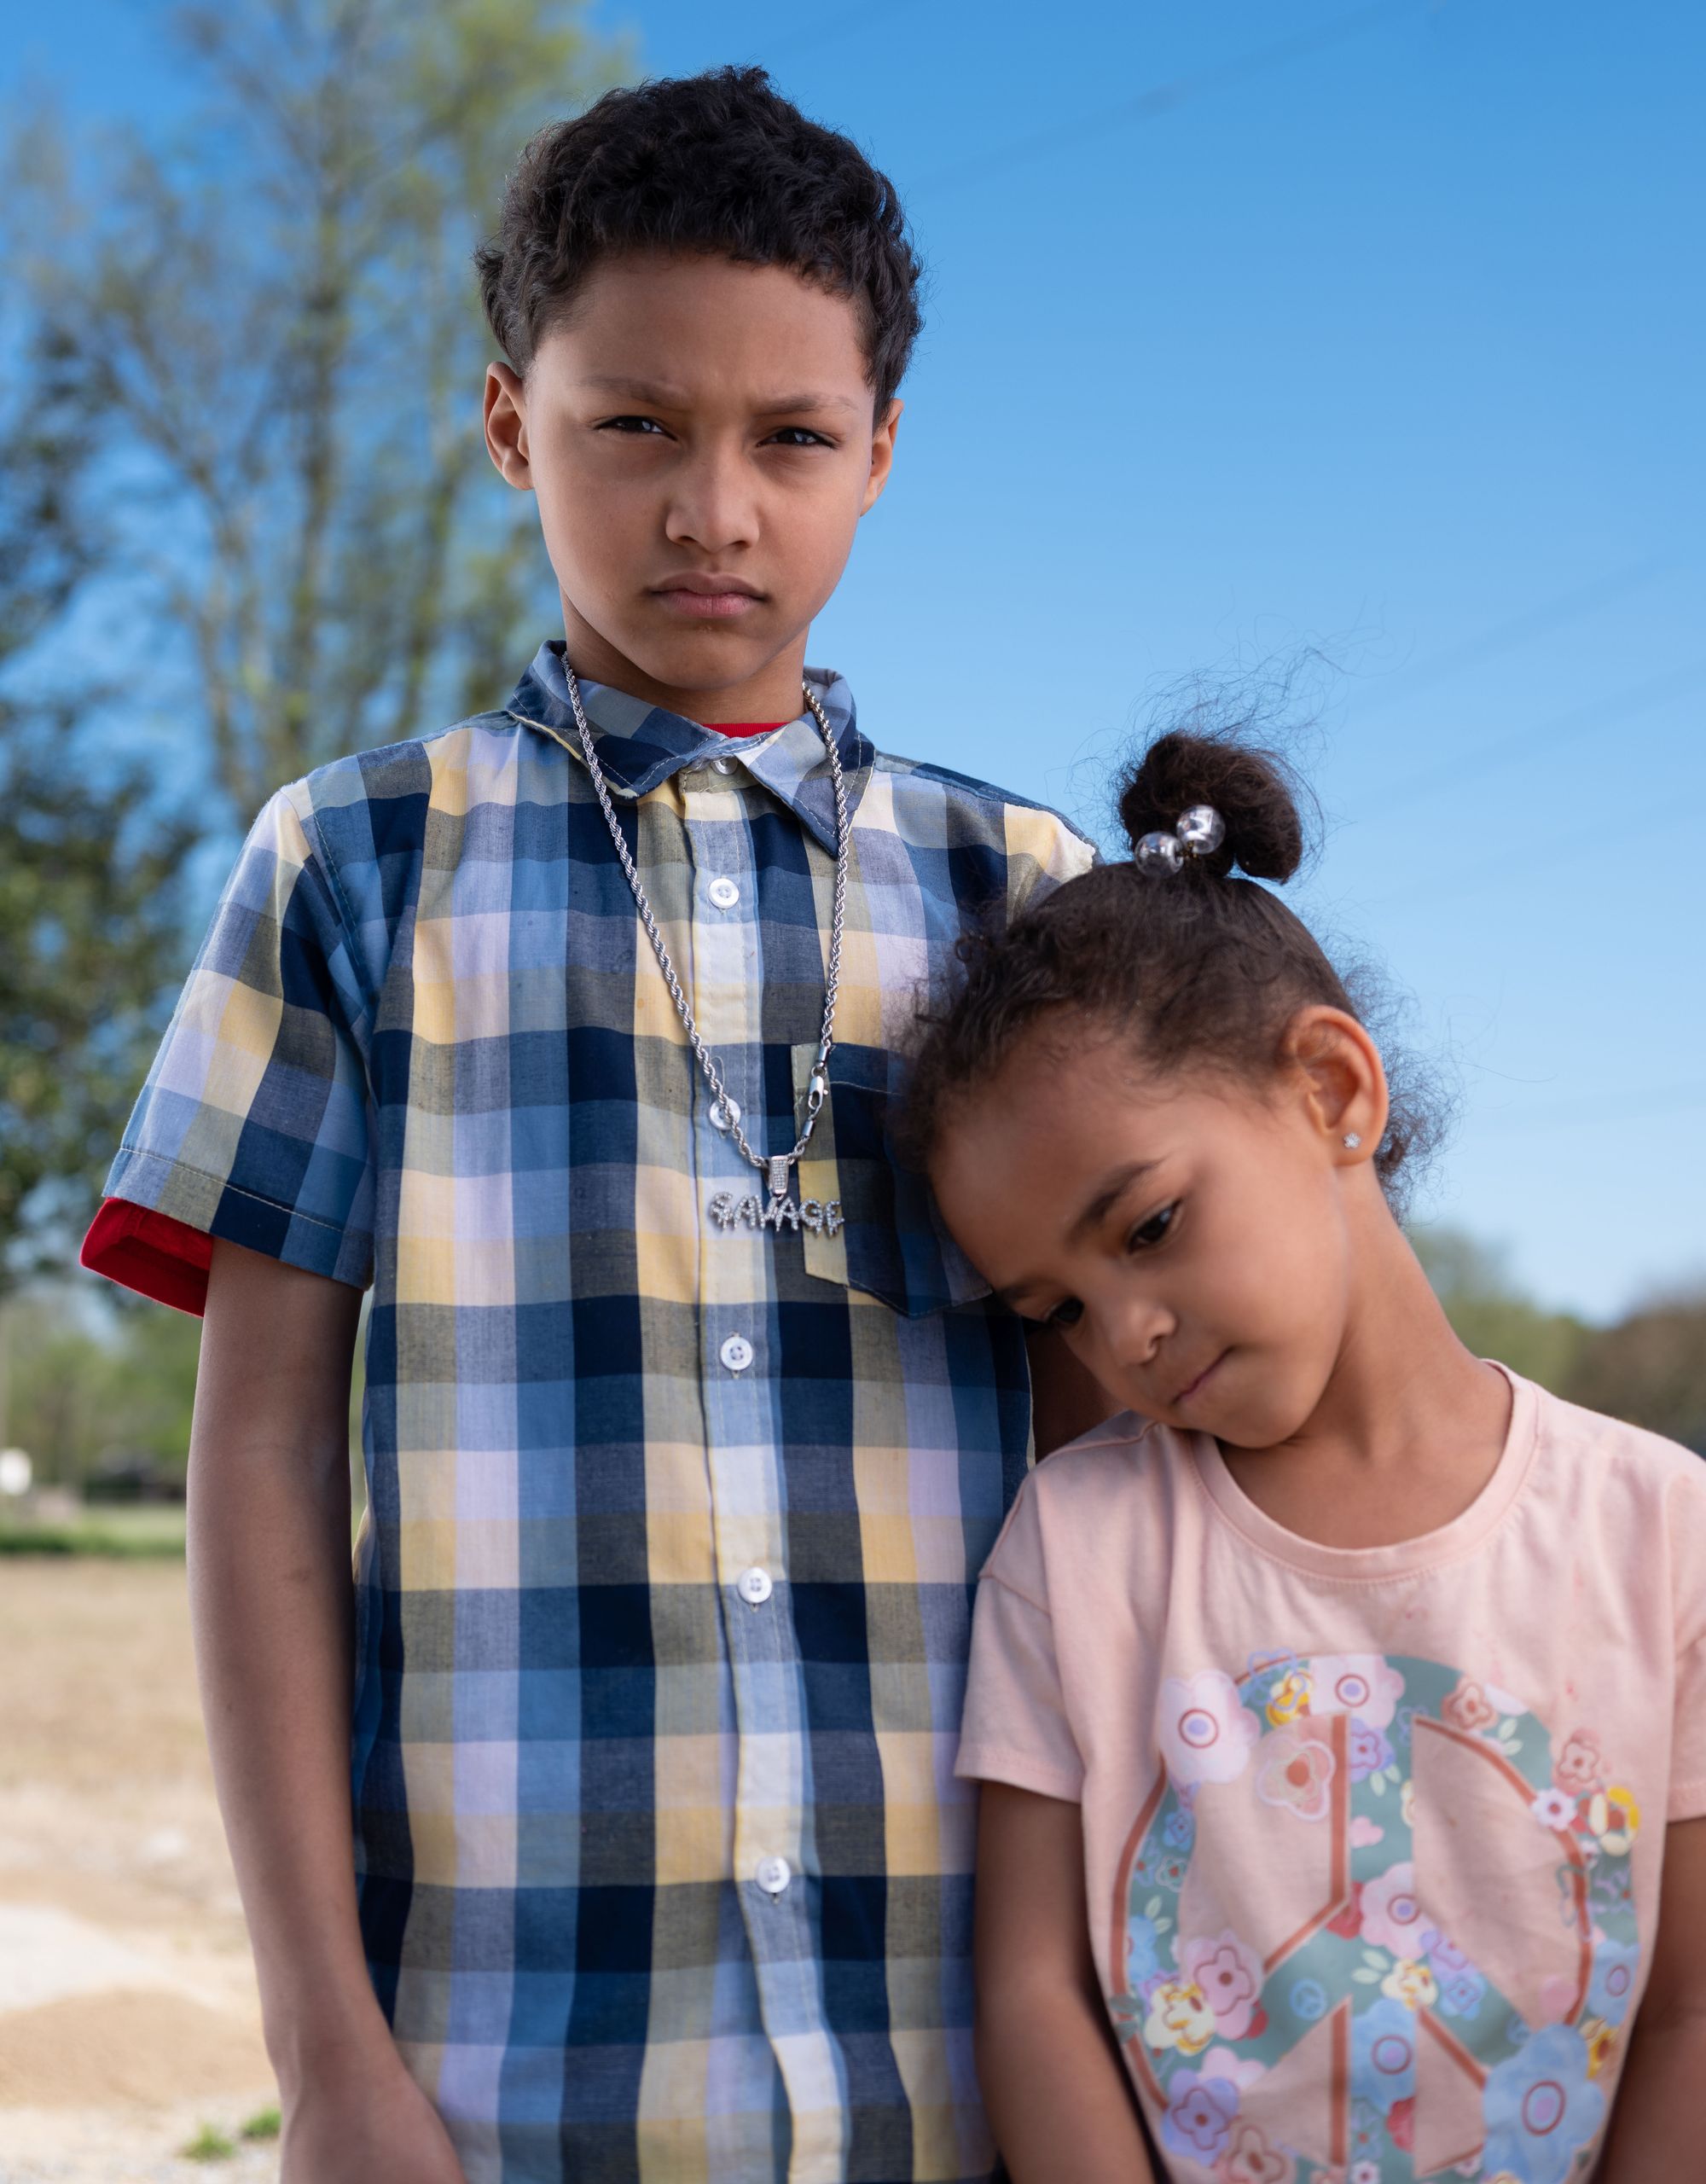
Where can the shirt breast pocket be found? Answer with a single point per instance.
(889, 1240)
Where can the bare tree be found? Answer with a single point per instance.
(241, 493)
(273, 323)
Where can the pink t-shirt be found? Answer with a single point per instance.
(1371, 1835)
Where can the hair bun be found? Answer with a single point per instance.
(1252, 790)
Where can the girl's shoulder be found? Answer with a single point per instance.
(1630, 1502)
(1125, 1456)
(1607, 1457)
(1119, 1481)
(1627, 1509)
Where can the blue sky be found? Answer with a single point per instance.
(1379, 331)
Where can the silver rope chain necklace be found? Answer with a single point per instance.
(777, 1210)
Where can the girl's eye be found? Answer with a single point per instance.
(635, 426)
(1066, 1314)
(798, 436)
(1148, 1233)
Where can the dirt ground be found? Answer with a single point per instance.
(128, 2015)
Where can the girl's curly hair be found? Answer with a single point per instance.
(1200, 968)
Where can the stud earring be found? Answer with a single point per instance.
(1351, 1140)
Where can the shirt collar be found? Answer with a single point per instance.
(641, 746)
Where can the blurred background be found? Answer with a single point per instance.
(1348, 353)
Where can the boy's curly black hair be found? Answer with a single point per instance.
(719, 163)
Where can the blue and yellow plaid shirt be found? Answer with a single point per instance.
(664, 1589)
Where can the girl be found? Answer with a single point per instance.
(1339, 1705)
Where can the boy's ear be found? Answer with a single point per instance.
(505, 426)
(1338, 1071)
(882, 455)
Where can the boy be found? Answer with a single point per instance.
(686, 1430)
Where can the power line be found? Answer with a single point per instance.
(1537, 622)
(1562, 728)
(1661, 1101)
(1493, 869)
(1164, 98)
(853, 18)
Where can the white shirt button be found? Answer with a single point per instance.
(724, 1112)
(725, 765)
(773, 1875)
(724, 893)
(736, 1353)
(754, 1586)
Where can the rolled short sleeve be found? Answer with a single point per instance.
(253, 1126)
(1015, 1727)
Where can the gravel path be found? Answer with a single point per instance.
(128, 2015)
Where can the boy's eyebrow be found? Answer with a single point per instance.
(675, 397)
(779, 402)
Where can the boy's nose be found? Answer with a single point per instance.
(712, 507)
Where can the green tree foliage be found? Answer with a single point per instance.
(1491, 1315)
(273, 323)
(90, 917)
(89, 924)
(79, 1391)
(1649, 1368)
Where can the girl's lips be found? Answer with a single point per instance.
(1201, 1381)
(706, 606)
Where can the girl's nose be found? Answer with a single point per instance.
(1144, 1325)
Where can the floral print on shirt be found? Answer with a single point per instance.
(1330, 1737)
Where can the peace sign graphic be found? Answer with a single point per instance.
(1370, 1927)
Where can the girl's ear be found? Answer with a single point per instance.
(1337, 1071)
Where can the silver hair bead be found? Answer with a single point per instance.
(1201, 829)
(1159, 853)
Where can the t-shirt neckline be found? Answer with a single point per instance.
(1403, 1558)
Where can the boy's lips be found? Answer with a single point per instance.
(708, 598)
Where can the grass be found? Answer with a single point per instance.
(154, 1533)
(209, 2145)
(212, 2144)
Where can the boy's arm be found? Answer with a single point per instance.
(1656, 2125)
(1054, 2086)
(272, 1604)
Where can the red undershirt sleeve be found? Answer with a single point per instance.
(151, 1253)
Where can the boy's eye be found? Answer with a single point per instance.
(1066, 1314)
(634, 425)
(1148, 1233)
(798, 436)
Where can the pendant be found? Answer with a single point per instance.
(779, 1212)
